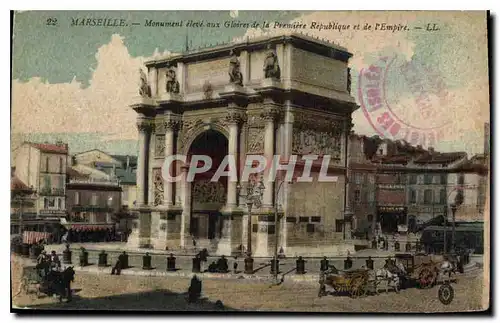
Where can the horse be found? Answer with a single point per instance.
(393, 279)
(59, 283)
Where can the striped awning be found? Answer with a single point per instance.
(31, 237)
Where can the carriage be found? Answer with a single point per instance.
(31, 279)
(422, 268)
(48, 282)
(354, 282)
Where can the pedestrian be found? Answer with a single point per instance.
(117, 269)
(235, 264)
(194, 244)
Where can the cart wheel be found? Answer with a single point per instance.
(426, 278)
(397, 287)
(356, 288)
(446, 294)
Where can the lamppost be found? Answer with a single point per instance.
(453, 208)
(253, 197)
(276, 232)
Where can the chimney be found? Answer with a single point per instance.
(73, 160)
(128, 162)
(59, 143)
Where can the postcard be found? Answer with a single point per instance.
(244, 161)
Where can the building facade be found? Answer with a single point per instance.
(286, 95)
(93, 209)
(43, 167)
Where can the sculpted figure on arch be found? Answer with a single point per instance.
(271, 66)
(235, 76)
(172, 83)
(144, 89)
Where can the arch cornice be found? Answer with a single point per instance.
(192, 129)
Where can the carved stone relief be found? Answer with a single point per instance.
(316, 135)
(157, 186)
(255, 142)
(159, 145)
(205, 191)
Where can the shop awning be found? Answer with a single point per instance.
(88, 227)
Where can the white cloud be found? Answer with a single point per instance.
(40, 107)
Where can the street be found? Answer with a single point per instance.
(103, 291)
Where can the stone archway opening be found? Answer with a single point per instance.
(208, 197)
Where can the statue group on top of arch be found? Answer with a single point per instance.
(172, 83)
(271, 66)
(144, 89)
(235, 76)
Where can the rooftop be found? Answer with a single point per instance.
(59, 148)
(316, 45)
(17, 185)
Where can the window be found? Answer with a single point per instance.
(303, 219)
(338, 225)
(413, 196)
(413, 179)
(358, 178)
(61, 163)
(255, 227)
(460, 179)
(357, 196)
(371, 178)
(442, 196)
(94, 199)
(371, 196)
(310, 228)
(45, 203)
(109, 202)
(428, 197)
(291, 219)
(47, 184)
(427, 179)
(46, 164)
(271, 229)
(369, 217)
(443, 179)
(59, 204)
(315, 219)
(77, 198)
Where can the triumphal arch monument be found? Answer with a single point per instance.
(284, 95)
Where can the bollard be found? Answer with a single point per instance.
(408, 247)
(124, 260)
(374, 243)
(396, 246)
(275, 266)
(301, 266)
(84, 257)
(171, 263)
(369, 263)
(324, 264)
(18, 248)
(348, 263)
(25, 251)
(33, 254)
(249, 265)
(146, 261)
(67, 255)
(196, 264)
(103, 259)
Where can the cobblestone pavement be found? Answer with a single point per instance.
(168, 293)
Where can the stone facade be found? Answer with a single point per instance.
(295, 114)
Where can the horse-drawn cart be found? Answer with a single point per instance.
(354, 282)
(423, 268)
(31, 279)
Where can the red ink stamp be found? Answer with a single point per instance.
(404, 101)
